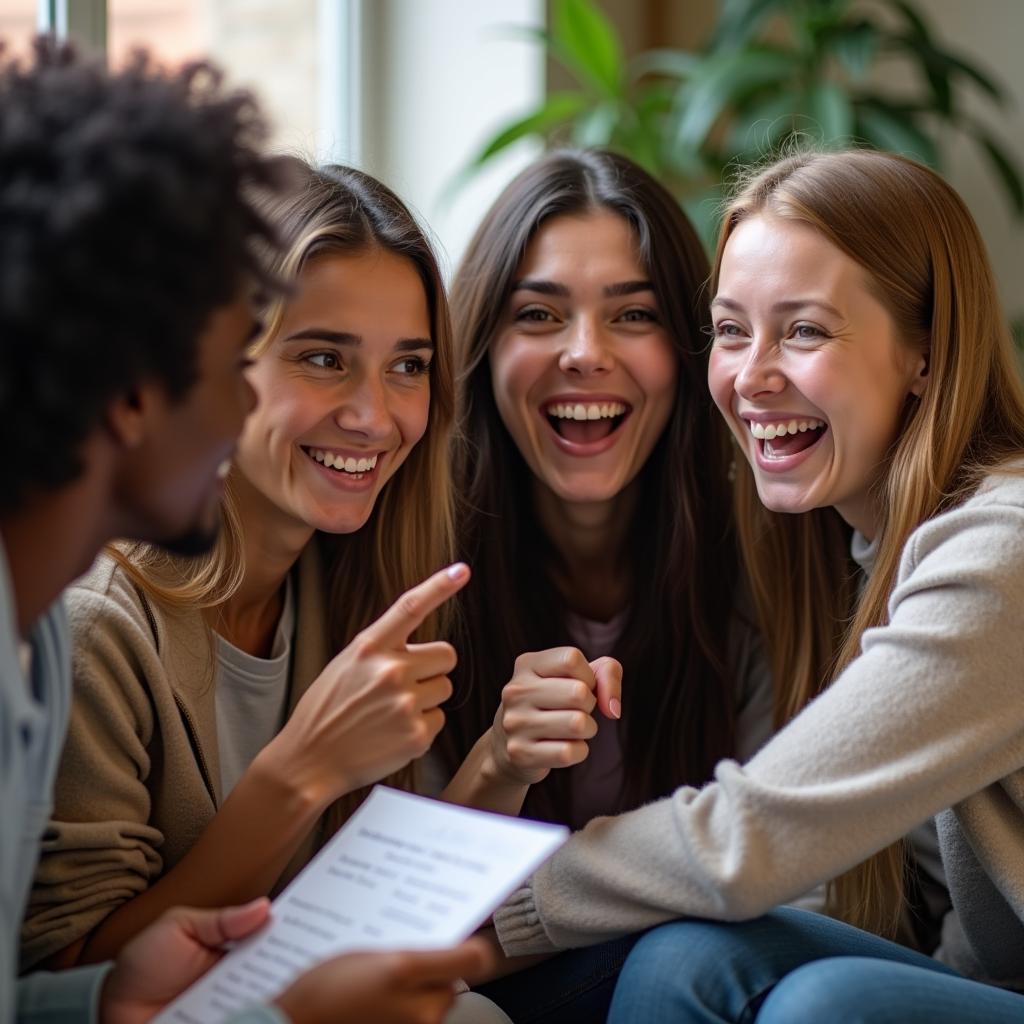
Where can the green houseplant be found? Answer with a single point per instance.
(771, 69)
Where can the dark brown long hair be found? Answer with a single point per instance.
(678, 717)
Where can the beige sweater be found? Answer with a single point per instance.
(140, 780)
(929, 720)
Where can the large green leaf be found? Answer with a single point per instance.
(889, 127)
(739, 21)
(830, 108)
(672, 63)
(586, 41)
(856, 47)
(723, 80)
(598, 125)
(558, 109)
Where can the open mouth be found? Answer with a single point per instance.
(586, 422)
(348, 466)
(785, 439)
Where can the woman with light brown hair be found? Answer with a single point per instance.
(865, 369)
(216, 736)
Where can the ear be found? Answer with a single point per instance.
(129, 418)
(920, 379)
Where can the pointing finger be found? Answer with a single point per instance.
(406, 615)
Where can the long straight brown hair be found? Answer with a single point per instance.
(339, 210)
(679, 716)
(926, 262)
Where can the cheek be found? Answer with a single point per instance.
(412, 416)
(515, 369)
(721, 380)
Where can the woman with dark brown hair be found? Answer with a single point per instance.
(596, 508)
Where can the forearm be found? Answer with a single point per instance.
(479, 784)
(239, 856)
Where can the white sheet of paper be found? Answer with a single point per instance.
(405, 872)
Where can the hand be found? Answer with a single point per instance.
(386, 988)
(172, 953)
(374, 708)
(545, 717)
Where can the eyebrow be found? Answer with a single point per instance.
(347, 338)
(787, 306)
(611, 291)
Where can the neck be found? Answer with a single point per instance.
(863, 514)
(51, 540)
(591, 539)
(272, 543)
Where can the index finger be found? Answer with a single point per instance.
(406, 615)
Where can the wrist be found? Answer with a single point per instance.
(286, 780)
(495, 769)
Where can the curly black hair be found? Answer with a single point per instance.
(127, 216)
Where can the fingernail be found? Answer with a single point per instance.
(615, 707)
(458, 571)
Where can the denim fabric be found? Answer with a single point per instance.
(792, 967)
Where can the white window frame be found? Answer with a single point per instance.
(84, 21)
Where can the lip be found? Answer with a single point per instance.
(343, 481)
(575, 448)
(788, 462)
(779, 417)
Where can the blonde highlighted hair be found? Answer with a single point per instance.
(926, 262)
(338, 210)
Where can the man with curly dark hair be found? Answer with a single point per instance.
(130, 254)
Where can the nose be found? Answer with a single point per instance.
(364, 410)
(586, 350)
(760, 373)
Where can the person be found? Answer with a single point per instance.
(865, 369)
(211, 730)
(130, 250)
(578, 308)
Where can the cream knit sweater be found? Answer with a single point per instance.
(929, 720)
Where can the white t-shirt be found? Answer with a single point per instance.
(252, 697)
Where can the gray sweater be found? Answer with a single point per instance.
(929, 720)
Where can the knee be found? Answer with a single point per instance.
(825, 990)
(679, 970)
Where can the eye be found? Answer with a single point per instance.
(412, 365)
(534, 315)
(808, 332)
(727, 330)
(639, 315)
(325, 360)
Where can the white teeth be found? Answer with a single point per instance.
(588, 411)
(767, 432)
(345, 465)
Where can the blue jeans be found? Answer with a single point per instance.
(574, 987)
(794, 967)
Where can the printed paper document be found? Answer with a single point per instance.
(405, 872)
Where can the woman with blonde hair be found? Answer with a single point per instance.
(863, 365)
(214, 741)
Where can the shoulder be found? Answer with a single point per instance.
(986, 529)
(107, 598)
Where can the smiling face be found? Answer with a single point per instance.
(808, 369)
(344, 390)
(584, 375)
